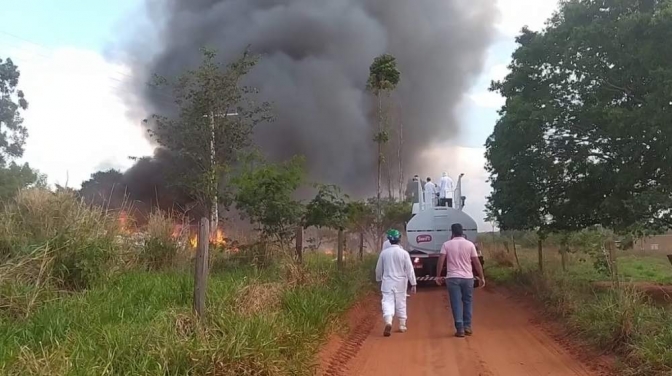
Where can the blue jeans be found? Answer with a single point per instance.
(461, 293)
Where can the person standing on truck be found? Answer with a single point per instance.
(394, 270)
(430, 192)
(446, 191)
(460, 258)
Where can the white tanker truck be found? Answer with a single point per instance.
(429, 228)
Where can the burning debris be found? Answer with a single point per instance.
(182, 233)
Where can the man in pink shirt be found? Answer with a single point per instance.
(460, 257)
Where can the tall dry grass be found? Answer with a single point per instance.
(162, 245)
(74, 242)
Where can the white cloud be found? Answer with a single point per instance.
(76, 121)
(518, 13)
(498, 72)
(487, 99)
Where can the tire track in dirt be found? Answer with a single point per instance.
(505, 342)
(364, 322)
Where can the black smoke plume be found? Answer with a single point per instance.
(315, 64)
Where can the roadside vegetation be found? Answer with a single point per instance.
(76, 298)
(631, 320)
(580, 171)
(100, 280)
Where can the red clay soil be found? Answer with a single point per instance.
(342, 347)
(506, 342)
(658, 293)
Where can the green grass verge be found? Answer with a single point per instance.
(619, 321)
(141, 323)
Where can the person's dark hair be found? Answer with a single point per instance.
(395, 241)
(429, 179)
(457, 230)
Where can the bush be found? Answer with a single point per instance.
(160, 247)
(81, 240)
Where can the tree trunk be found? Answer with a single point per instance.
(380, 151)
(613, 265)
(361, 246)
(389, 178)
(214, 186)
(400, 160)
(201, 269)
(563, 253)
(341, 243)
(299, 244)
(515, 253)
(540, 249)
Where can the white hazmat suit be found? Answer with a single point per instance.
(446, 186)
(430, 192)
(395, 271)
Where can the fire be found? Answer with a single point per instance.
(123, 221)
(217, 238)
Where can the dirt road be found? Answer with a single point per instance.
(504, 343)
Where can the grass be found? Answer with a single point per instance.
(618, 321)
(141, 323)
(76, 299)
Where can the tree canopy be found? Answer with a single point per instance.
(12, 102)
(15, 177)
(584, 137)
(265, 194)
(329, 208)
(215, 119)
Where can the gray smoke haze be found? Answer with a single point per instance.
(315, 63)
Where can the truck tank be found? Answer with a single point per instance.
(429, 228)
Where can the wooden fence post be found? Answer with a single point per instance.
(361, 246)
(341, 243)
(299, 244)
(201, 272)
(613, 265)
(540, 252)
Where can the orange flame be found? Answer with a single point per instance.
(217, 238)
(123, 221)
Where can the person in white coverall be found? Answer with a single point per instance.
(430, 192)
(394, 270)
(446, 191)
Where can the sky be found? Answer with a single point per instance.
(78, 124)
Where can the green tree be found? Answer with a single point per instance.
(215, 119)
(13, 134)
(15, 177)
(103, 188)
(265, 195)
(12, 102)
(383, 79)
(590, 94)
(329, 208)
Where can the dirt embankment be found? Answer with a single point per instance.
(507, 341)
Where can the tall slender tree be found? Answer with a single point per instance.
(383, 79)
(214, 123)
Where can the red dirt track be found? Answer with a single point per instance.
(505, 343)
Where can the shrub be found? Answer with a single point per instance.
(82, 240)
(160, 247)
